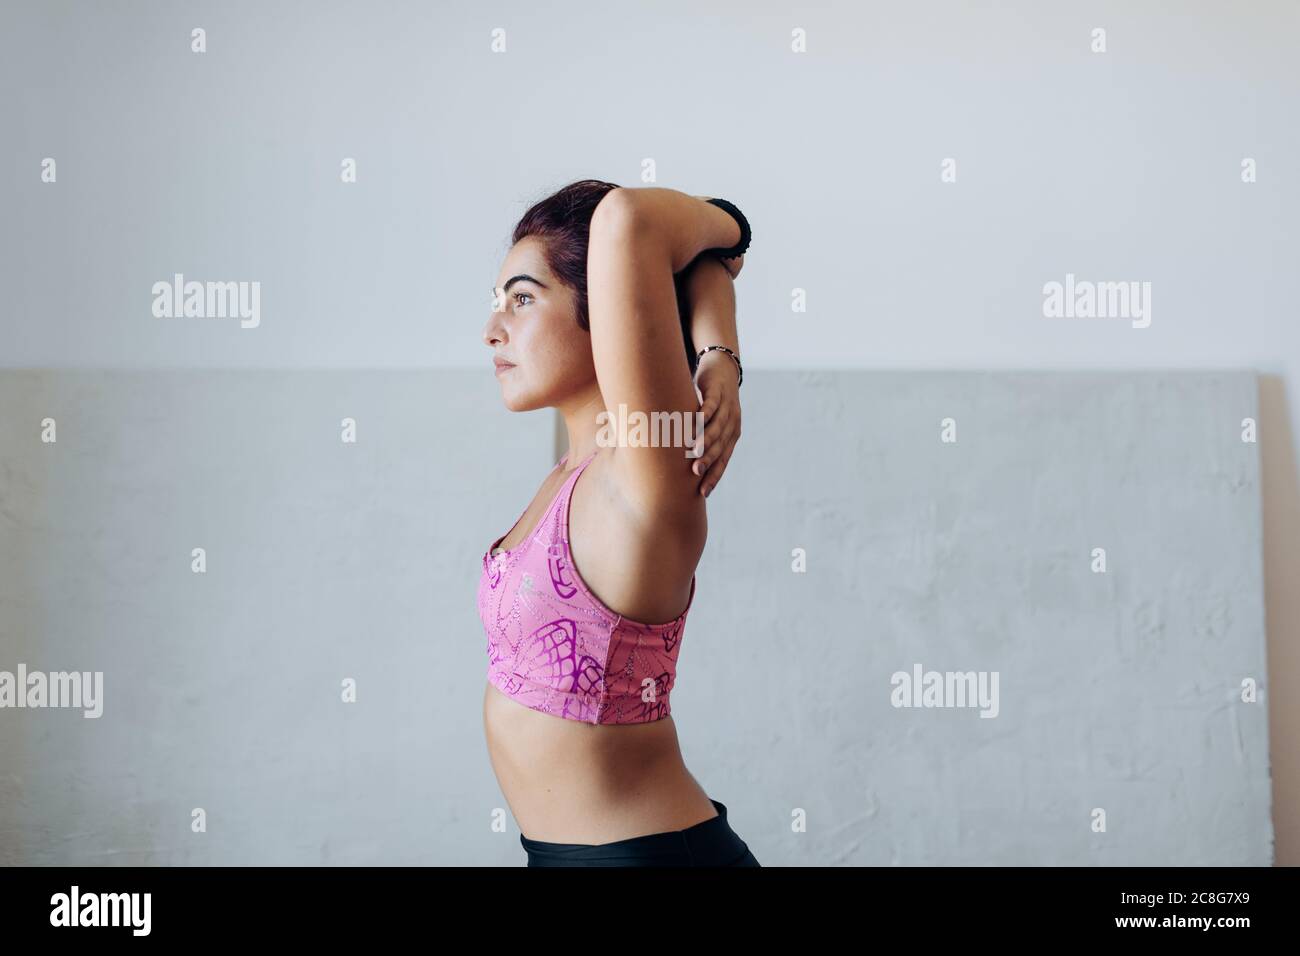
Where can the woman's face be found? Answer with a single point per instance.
(535, 330)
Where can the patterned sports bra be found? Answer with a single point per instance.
(554, 647)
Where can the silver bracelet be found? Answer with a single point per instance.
(722, 348)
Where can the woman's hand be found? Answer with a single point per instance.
(717, 381)
(733, 265)
(711, 308)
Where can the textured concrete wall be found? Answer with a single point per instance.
(325, 560)
(1118, 691)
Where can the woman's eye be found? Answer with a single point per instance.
(518, 294)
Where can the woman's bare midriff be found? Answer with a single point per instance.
(572, 782)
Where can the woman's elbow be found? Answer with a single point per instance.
(619, 211)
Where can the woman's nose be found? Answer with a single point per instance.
(493, 332)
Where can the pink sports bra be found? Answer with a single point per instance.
(554, 647)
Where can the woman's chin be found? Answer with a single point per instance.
(519, 396)
(517, 403)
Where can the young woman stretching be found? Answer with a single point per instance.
(600, 289)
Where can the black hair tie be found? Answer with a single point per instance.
(739, 248)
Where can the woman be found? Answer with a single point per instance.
(597, 292)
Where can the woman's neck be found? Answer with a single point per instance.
(582, 423)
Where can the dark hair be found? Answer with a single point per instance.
(563, 222)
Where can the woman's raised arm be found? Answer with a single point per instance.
(639, 238)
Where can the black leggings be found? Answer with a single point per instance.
(711, 843)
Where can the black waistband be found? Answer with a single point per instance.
(710, 842)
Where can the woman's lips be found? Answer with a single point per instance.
(503, 367)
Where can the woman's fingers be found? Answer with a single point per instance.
(717, 469)
(708, 425)
(714, 435)
(711, 472)
(709, 406)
